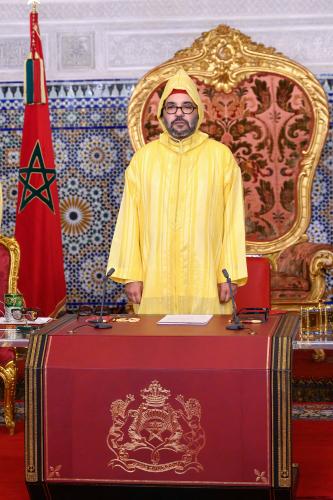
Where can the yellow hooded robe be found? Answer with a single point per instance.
(181, 220)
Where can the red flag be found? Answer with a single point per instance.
(38, 229)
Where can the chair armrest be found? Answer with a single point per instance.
(305, 259)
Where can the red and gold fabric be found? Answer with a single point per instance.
(147, 404)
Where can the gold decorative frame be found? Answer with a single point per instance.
(8, 372)
(14, 252)
(223, 57)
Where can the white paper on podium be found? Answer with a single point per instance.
(185, 319)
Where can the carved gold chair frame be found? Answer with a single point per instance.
(8, 370)
(222, 58)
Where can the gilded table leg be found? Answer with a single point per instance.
(9, 375)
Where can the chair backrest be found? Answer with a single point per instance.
(256, 294)
(9, 265)
(270, 111)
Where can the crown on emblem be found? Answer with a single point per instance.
(155, 395)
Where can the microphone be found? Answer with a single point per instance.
(99, 323)
(235, 323)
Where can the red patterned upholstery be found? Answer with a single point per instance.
(6, 354)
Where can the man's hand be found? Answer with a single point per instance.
(224, 292)
(134, 291)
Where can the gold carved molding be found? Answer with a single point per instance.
(223, 57)
(13, 249)
(8, 373)
(323, 259)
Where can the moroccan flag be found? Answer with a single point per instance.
(38, 229)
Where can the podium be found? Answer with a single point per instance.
(146, 410)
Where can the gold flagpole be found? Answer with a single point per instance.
(34, 4)
(34, 74)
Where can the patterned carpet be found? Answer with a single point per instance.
(312, 411)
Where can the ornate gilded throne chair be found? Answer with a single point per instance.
(9, 266)
(273, 114)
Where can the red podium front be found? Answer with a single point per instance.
(143, 408)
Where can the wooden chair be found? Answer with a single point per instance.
(9, 266)
(273, 114)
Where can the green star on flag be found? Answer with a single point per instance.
(36, 180)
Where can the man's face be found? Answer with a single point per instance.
(180, 125)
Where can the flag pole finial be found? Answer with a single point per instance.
(34, 4)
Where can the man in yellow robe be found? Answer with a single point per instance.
(181, 219)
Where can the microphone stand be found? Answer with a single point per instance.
(235, 323)
(99, 323)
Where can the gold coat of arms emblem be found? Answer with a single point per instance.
(156, 436)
